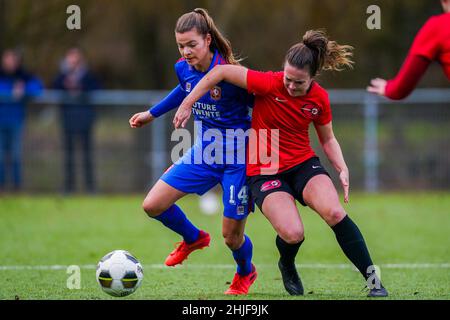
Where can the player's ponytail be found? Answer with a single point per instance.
(202, 21)
(317, 53)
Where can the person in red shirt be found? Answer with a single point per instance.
(432, 43)
(286, 103)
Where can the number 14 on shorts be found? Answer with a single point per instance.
(242, 195)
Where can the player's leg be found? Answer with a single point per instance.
(159, 204)
(236, 204)
(280, 209)
(242, 249)
(235, 239)
(275, 198)
(321, 196)
(161, 197)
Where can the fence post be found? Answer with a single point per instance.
(371, 179)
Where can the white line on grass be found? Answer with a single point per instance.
(232, 266)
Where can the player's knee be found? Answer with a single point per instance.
(152, 208)
(335, 215)
(294, 235)
(233, 240)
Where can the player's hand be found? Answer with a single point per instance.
(182, 116)
(344, 177)
(377, 86)
(140, 119)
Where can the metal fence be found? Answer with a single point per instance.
(387, 144)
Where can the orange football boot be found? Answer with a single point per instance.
(183, 249)
(241, 284)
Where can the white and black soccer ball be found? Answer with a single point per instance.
(119, 273)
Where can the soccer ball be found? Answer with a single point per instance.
(119, 273)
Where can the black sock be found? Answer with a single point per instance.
(287, 251)
(352, 243)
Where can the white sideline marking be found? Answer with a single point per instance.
(232, 266)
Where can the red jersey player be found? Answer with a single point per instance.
(432, 43)
(288, 102)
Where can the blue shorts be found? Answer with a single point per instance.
(199, 178)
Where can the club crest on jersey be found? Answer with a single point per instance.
(216, 93)
(269, 185)
(310, 111)
(188, 87)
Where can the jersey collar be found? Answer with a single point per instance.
(217, 59)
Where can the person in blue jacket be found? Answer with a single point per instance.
(78, 116)
(17, 86)
(224, 109)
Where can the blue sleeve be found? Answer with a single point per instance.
(170, 102)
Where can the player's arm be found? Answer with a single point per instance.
(406, 80)
(333, 152)
(233, 74)
(422, 52)
(171, 101)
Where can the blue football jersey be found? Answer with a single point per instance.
(219, 115)
(226, 106)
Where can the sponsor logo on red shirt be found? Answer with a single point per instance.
(310, 111)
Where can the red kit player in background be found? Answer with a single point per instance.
(432, 43)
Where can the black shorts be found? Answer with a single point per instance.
(292, 181)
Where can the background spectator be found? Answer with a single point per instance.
(78, 115)
(16, 87)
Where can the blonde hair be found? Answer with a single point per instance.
(317, 53)
(204, 24)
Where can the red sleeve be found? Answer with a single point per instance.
(427, 42)
(407, 78)
(259, 83)
(325, 116)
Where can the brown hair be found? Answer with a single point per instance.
(204, 24)
(317, 53)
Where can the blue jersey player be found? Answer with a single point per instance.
(202, 46)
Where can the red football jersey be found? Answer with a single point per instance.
(274, 109)
(433, 41)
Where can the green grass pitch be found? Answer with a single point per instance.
(407, 235)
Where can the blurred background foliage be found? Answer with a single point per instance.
(131, 44)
